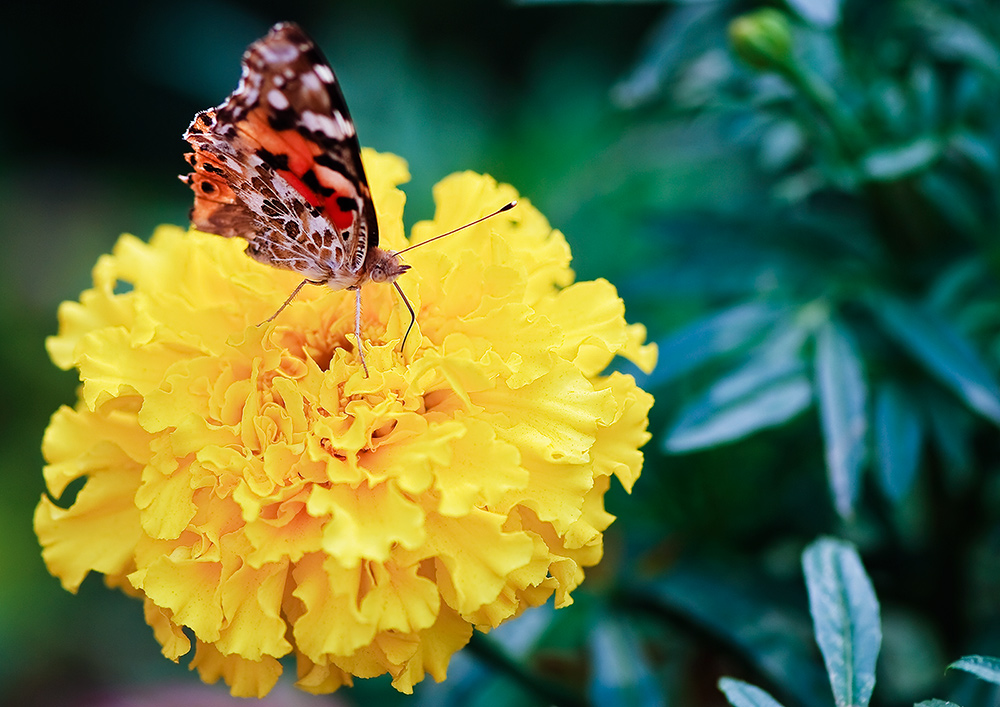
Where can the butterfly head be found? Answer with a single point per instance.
(383, 266)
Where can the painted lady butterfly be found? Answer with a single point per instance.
(279, 164)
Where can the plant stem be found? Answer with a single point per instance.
(491, 653)
(847, 130)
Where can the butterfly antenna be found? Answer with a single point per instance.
(505, 207)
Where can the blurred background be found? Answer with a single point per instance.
(799, 199)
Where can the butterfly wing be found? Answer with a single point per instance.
(279, 163)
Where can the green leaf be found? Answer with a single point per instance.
(954, 200)
(840, 387)
(667, 48)
(821, 13)
(715, 335)
(946, 355)
(621, 675)
(889, 164)
(950, 426)
(981, 666)
(759, 621)
(936, 703)
(899, 433)
(978, 149)
(763, 393)
(845, 618)
(743, 694)
(595, 2)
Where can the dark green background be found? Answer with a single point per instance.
(692, 182)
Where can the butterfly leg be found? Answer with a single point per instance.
(413, 315)
(357, 328)
(286, 302)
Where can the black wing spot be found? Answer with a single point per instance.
(346, 203)
(310, 180)
(207, 187)
(282, 120)
(326, 160)
(279, 162)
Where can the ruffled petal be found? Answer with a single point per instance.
(259, 492)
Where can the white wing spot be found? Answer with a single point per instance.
(277, 52)
(277, 99)
(336, 127)
(325, 73)
(311, 82)
(345, 126)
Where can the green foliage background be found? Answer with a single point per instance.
(801, 205)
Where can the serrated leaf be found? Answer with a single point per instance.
(943, 352)
(899, 434)
(717, 334)
(845, 619)
(981, 666)
(821, 13)
(743, 694)
(761, 394)
(620, 675)
(842, 394)
(936, 703)
(891, 163)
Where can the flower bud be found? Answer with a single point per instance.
(762, 39)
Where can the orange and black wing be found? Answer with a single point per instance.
(279, 163)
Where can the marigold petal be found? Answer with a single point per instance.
(463, 484)
(246, 678)
(78, 443)
(251, 601)
(98, 308)
(320, 679)
(290, 534)
(107, 373)
(555, 417)
(475, 578)
(331, 623)
(449, 634)
(96, 533)
(256, 487)
(366, 522)
(173, 641)
(616, 447)
(189, 588)
(166, 500)
(385, 173)
(400, 599)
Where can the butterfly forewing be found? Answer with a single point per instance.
(278, 163)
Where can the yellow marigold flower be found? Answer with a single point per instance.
(260, 494)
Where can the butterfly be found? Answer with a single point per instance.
(278, 163)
